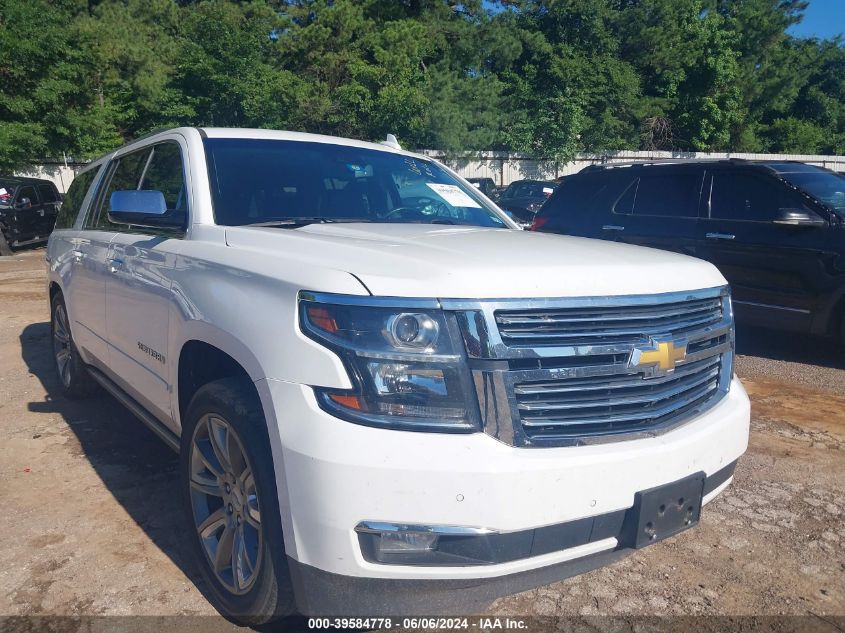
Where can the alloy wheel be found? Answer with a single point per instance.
(62, 350)
(224, 500)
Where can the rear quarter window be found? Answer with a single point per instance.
(582, 201)
(668, 193)
(72, 204)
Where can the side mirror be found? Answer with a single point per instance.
(798, 217)
(141, 208)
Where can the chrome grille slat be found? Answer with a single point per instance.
(549, 317)
(594, 332)
(591, 400)
(620, 381)
(629, 323)
(652, 413)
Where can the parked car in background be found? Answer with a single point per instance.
(776, 230)
(486, 186)
(28, 208)
(523, 198)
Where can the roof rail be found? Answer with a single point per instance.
(663, 161)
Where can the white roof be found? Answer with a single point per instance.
(283, 135)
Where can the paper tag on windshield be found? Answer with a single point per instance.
(548, 191)
(453, 195)
(3, 191)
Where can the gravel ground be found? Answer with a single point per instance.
(812, 361)
(89, 504)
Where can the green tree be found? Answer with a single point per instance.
(548, 77)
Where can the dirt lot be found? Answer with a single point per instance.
(89, 508)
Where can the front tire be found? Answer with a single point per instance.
(74, 379)
(231, 504)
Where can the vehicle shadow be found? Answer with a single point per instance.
(789, 346)
(136, 467)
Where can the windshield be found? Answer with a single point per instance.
(824, 186)
(267, 181)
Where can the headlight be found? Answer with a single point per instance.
(406, 362)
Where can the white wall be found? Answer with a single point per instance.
(61, 175)
(504, 167)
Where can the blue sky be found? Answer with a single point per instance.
(823, 18)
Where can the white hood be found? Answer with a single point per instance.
(422, 260)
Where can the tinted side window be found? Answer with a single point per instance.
(664, 192)
(164, 173)
(25, 193)
(72, 203)
(750, 197)
(625, 204)
(126, 174)
(583, 201)
(47, 193)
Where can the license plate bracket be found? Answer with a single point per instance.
(666, 510)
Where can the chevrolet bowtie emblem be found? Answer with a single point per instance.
(661, 356)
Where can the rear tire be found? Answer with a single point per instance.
(74, 379)
(842, 332)
(231, 507)
(5, 249)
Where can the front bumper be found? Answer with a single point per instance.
(337, 474)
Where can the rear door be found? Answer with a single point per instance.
(49, 208)
(26, 214)
(659, 208)
(774, 270)
(65, 257)
(583, 204)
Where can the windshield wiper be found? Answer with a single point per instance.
(304, 221)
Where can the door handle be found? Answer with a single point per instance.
(115, 264)
(720, 236)
(613, 227)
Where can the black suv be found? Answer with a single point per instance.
(523, 198)
(776, 230)
(28, 209)
(485, 185)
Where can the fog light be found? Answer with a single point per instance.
(405, 543)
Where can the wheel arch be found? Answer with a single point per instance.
(54, 289)
(227, 353)
(202, 361)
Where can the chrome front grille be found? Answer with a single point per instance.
(613, 323)
(564, 372)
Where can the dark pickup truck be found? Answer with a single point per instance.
(28, 209)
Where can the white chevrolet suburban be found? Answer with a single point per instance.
(388, 399)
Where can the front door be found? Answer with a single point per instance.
(25, 219)
(775, 270)
(139, 298)
(91, 254)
